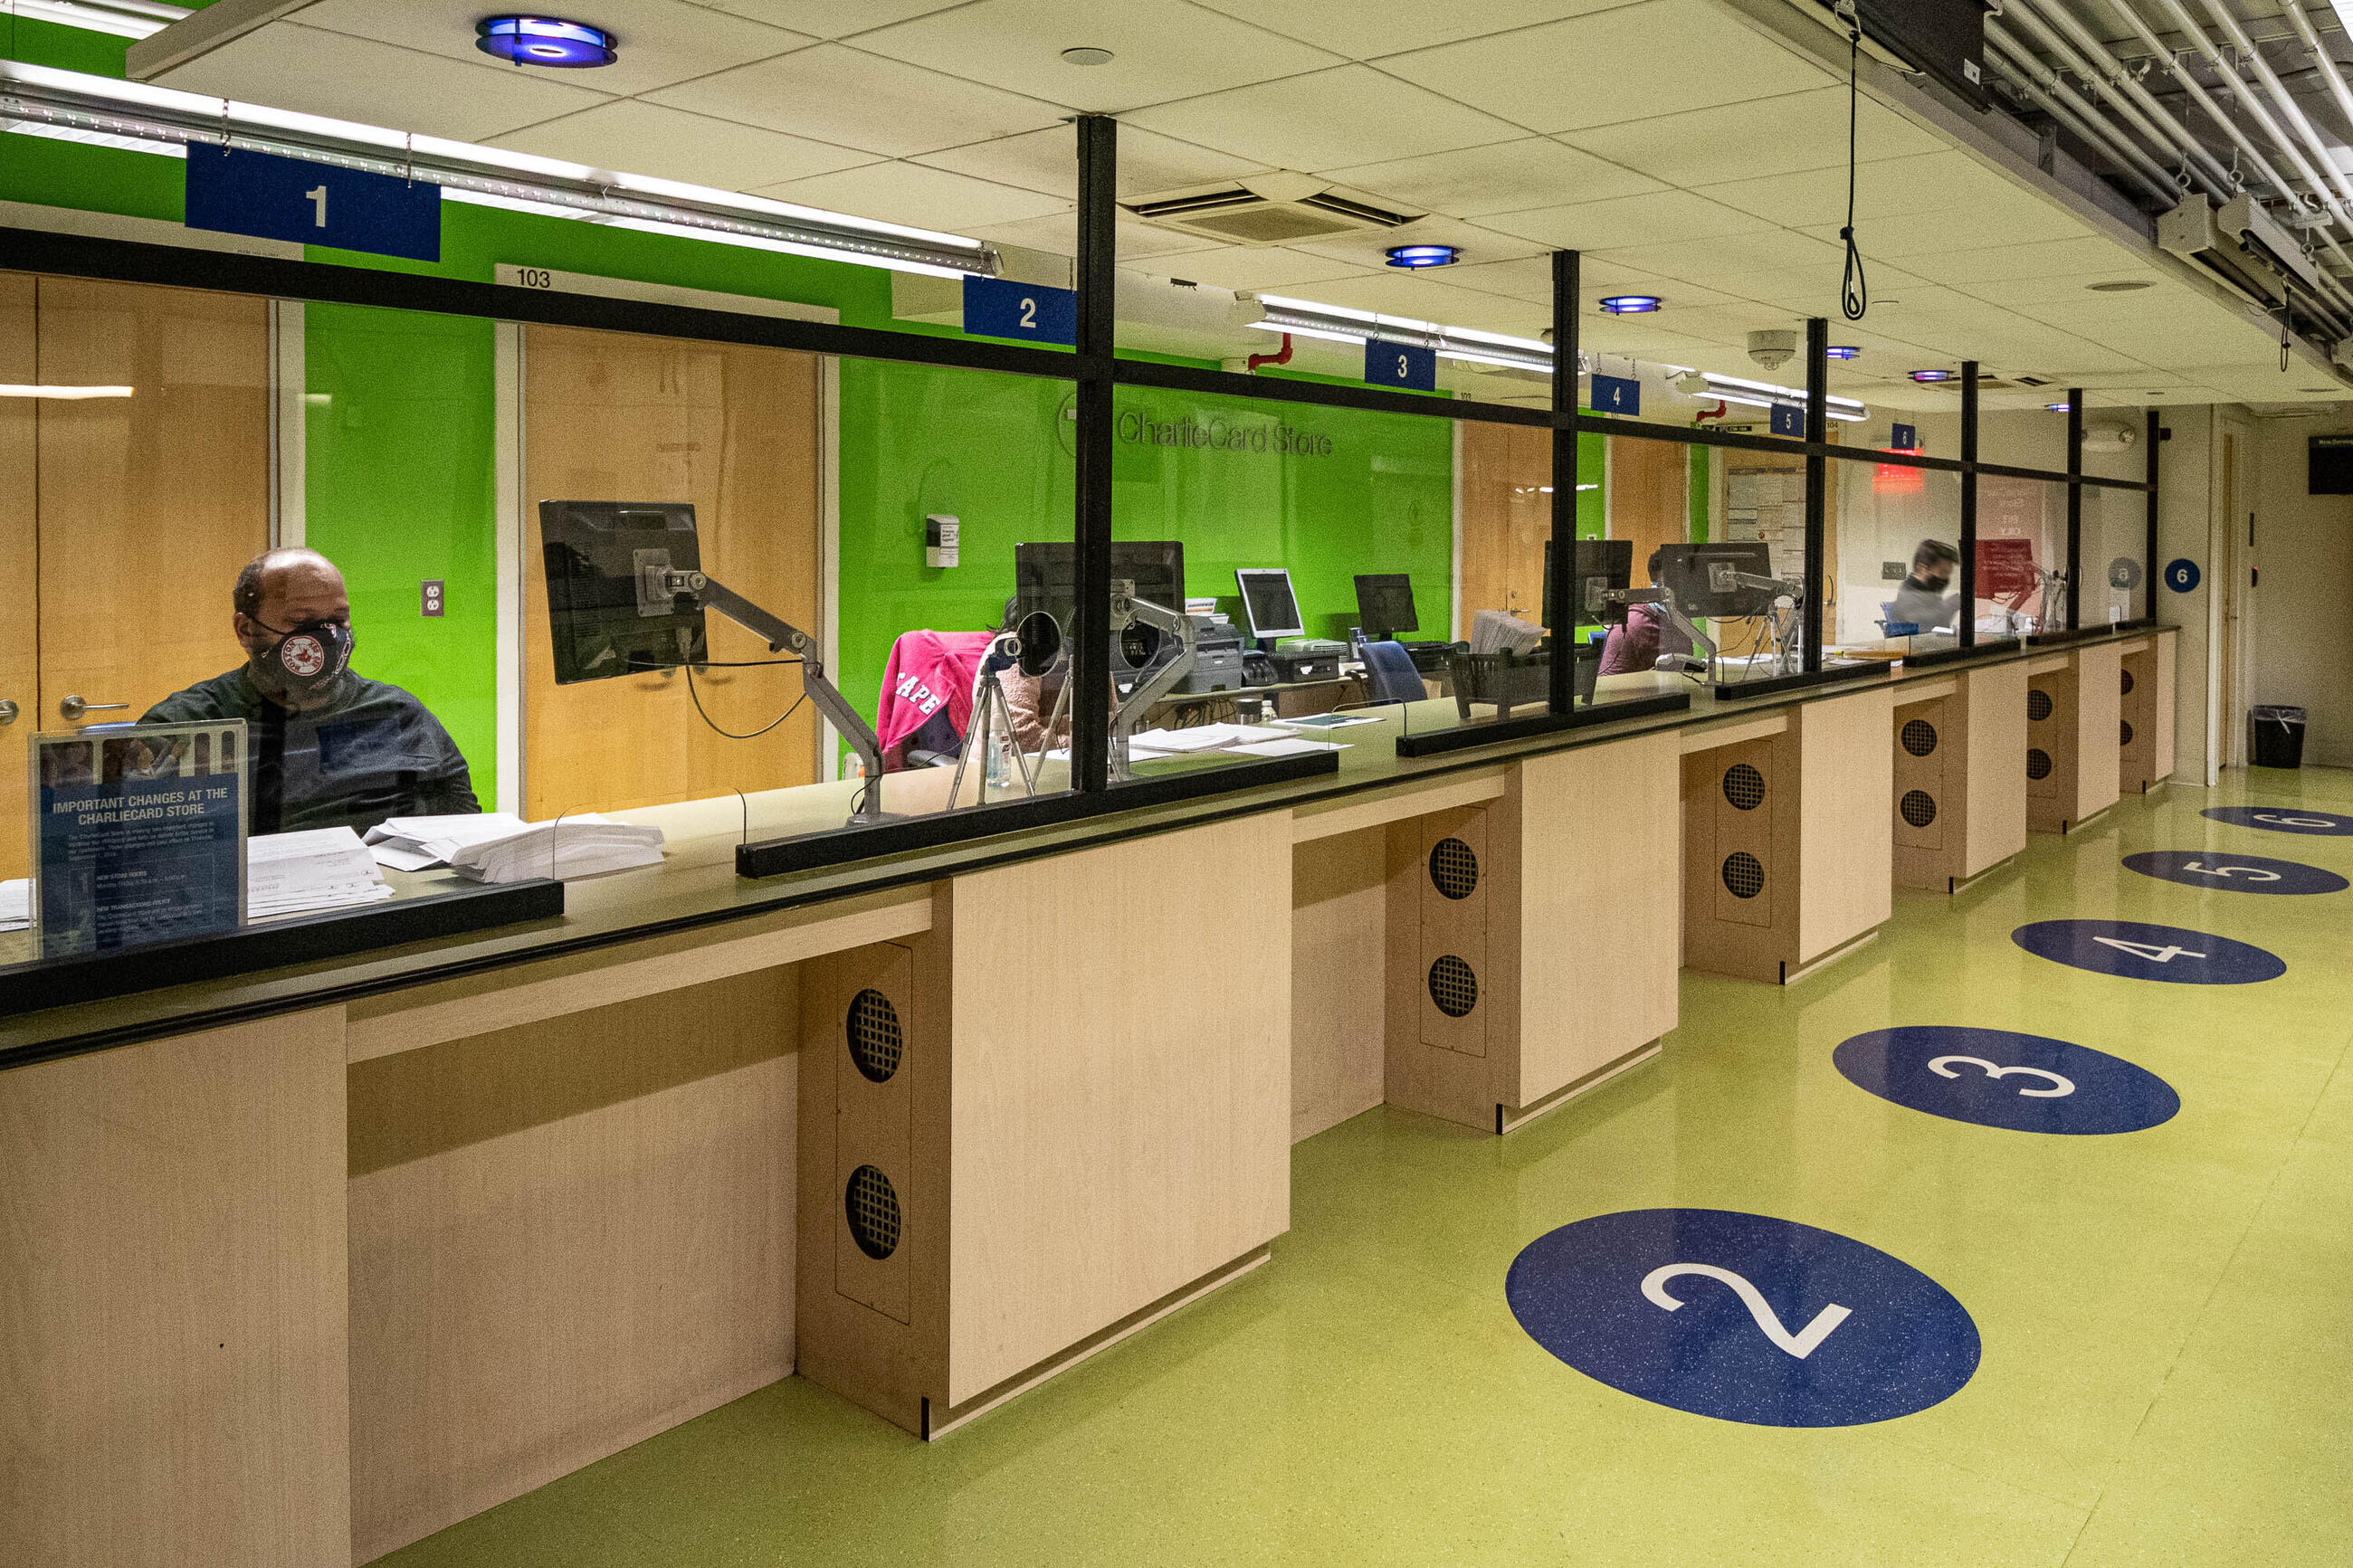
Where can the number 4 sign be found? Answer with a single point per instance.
(2140, 951)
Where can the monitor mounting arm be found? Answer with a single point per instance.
(1617, 599)
(1126, 609)
(783, 636)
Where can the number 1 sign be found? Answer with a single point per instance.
(260, 194)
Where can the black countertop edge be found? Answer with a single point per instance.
(1812, 679)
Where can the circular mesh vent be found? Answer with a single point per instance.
(1454, 869)
(2038, 706)
(1744, 786)
(1455, 986)
(870, 1203)
(875, 1040)
(2038, 763)
(1919, 737)
(1918, 807)
(1743, 876)
(2124, 731)
(2128, 683)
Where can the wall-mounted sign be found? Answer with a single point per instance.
(2005, 567)
(138, 835)
(2328, 465)
(1405, 365)
(1220, 436)
(1789, 420)
(1903, 437)
(245, 191)
(1616, 394)
(2181, 575)
(994, 308)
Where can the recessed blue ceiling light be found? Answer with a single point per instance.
(2056, 407)
(1932, 375)
(545, 41)
(1423, 256)
(1630, 304)
(1841, 350)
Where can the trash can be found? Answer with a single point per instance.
(2278, 736)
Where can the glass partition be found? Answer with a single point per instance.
(2115, 549)
(2022, 561)
(1894, 561)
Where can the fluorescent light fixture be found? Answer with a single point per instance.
(99, 138)
(1296, 330)
(1631, 304)
(1337, 323)
(1931, 377)
(123, 18)
(1718, 385)
(2058, 408)
(63, 394)
(516, 205)
(752, 241)
(1423, 255)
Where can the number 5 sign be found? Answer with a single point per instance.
(260, 194)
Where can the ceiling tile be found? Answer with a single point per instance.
(1394, 293)
(1059, 232)
(1048, 161)
(288, 65)
(1349, 115)
(914, 195)
(826, 18)
(1366, 32)
(2067, 287)
(836, 94)
(637, 138)
(1731, 256)
(1784, 135)
(1510, 176)
(1255, 268)
(661, 41)
(1662, 217)
(1371, 248)
(1168, 49)
(1628, 63)
(2001, 263)
(1893, 187)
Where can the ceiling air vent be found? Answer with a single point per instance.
(1277, 209)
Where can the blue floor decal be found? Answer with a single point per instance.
(2140, 951)
(2239, 873)
(2027, 1083)
(2282, 819)
(1743, 1317)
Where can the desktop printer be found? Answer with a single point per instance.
(1217, 657)
(1309, 659)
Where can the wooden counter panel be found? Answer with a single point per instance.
(1995, 700)
(1846, 801)
(2162, 717)
(1122, 1121)
(564, 1238)
(2098, 749)
(171, 1302)
(1338, 931)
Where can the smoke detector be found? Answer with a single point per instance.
(1281, 208)
(1773, 348)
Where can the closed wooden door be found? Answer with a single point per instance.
(151, 504)
(20, 622)
(733, 430)
(1506, 518)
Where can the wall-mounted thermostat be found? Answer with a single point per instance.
(940, 540)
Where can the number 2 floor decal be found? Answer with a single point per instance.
(2238, 873)
(1743, 1317)
(2141, 952)
(1994, 1078)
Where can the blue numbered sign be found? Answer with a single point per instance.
(2240, 873)
(1788, 421)
(1616, 394)
(994, 308)
(2140, 951)
(1903, 437)
(2028, 1083)
(243, 192)
(2181, 574)
(2282, 819)
(1743, 1317)
(1406, 365)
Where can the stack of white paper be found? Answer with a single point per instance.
(583, 846)
(1202, 737)
(421, 843)
(298, 873)
(16, 904)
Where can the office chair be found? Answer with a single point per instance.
(1390, 674)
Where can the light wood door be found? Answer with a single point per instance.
(151, 504)
(1506, 518)
(20, 624)
(613, 416)
(2234, 566)
(1650, 501)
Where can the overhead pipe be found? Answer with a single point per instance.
(2062, 103)
(2093, 61)
(2131, 17)
(2285, 100)
(2329, 70)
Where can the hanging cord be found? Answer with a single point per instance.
(1854, 290)
(692, 691)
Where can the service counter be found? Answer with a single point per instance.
(302, 1266)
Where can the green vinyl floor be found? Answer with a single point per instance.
(2166, 1315)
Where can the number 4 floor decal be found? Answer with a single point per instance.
(1873, 1337)
(2141, 952)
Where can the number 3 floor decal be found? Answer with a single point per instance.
(2026, 1083)
(2239, 873)
(2141, 952)
(1743, 1317)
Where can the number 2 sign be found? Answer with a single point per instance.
(1001, 308)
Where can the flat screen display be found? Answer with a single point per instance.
(1268, 603)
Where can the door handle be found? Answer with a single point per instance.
(8, 711)
(71, 707)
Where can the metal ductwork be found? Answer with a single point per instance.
(2240, 244)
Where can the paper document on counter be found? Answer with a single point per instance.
(421, 843)
(16, 904)
(1289, 746)
(586, 845)
(300, 873)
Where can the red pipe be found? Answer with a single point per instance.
(1722, 408)
(1283, 358)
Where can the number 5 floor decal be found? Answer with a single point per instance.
(2239, 873)
(2025, 1083)
(1743, 1317)
(2140, 951)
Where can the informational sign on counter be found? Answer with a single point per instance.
(138, 835)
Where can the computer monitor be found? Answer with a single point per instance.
(609, 611)
(1602, 564)
(1046, 577)
(1689, 571)
(1385, 604)
(1268, 602)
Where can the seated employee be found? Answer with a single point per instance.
(1635, 646)
(324, 747)
(1922, 600)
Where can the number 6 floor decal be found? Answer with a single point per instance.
(1743, 1317)
(2140, 951)
(2026, 1083)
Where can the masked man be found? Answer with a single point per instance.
(324, 747)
